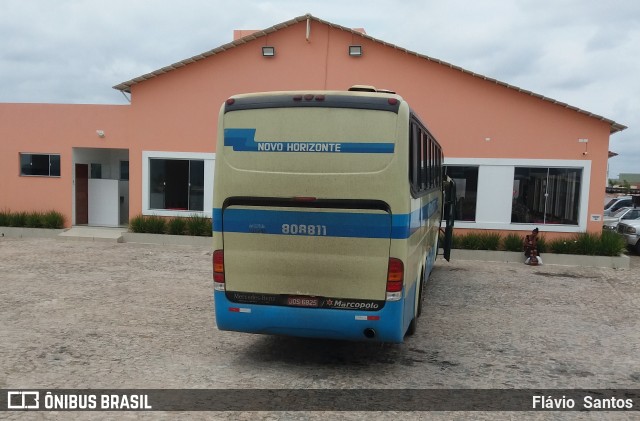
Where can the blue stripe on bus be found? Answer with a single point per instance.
(243, 140)
(310, 322)
(330, 224)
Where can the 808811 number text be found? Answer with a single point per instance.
(301, 229)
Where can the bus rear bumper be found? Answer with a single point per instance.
(385, 325)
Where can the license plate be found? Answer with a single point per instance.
(302, 301)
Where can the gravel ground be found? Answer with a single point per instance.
(101, 315)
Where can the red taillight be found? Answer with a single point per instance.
(392, 101)
(319, 97)
(297, 98)
(308, 97)
(218, 266)
(231, 101)
(304, 199)
(395, 275)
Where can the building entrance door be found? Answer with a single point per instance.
(82, 194)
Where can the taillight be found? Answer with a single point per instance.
(218, 270)
(395, 279)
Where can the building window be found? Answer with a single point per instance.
(546, 195)
(46, 165)
(124, 170)
(176, 184)
(96, 171)
(466, 179)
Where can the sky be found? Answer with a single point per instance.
(582, 52)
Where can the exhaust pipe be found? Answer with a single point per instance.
(369, 333)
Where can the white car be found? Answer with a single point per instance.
(623, 214)
(631, 232)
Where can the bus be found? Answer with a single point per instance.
(327, 210)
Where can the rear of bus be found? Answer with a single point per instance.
(311, 193)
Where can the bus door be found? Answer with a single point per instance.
(449, 213)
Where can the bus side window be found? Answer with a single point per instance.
(414, 158)
(424, 158)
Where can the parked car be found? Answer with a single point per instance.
(631, 232)
(622, 214)
(616, 204)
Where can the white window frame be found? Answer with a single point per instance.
(209, 165)
(495, 192)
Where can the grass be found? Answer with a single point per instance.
(18, 219)
(512, 242)
(155, 224)
(35, 219)
(5, 216)
(194, 225)
(477, 241)
(53, 219)
(612, 244)
(607, 243)
(136, 224)
(177, 226)
(199, 226)
(587, 243)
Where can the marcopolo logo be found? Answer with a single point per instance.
(355, 305)
(23, 399)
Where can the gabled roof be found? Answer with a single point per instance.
(126, 86)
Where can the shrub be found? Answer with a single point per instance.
(542, 244)
(471, 241)
(608, 243)
(611, 244)
(53, 219)
(33, 220)
(490, 241)
(136, 224)
(176, 226)
(456, 241)
(587, 243)
(512, 242)
(477, 241)
(562, 246)
(5, 217)
(199, 225)
(17, 219)
(155, 224)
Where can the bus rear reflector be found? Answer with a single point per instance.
(218, 270)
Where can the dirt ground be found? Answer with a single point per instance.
(102, 315)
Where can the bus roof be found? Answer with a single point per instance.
(383, 101)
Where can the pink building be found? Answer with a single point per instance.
(521, 160)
